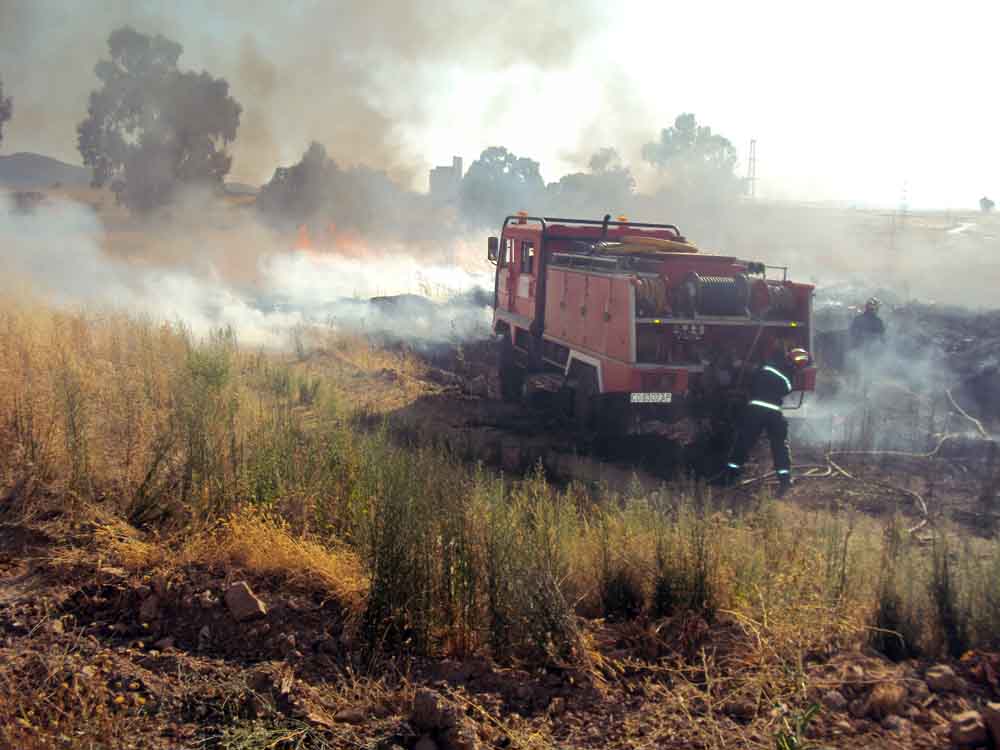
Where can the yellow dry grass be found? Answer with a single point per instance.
(176, 451)
(248, 541)
(257, 542)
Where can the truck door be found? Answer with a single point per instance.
(506, 281)
(527, 271)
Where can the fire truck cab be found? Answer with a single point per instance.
(631, 319)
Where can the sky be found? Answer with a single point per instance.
(873, 103)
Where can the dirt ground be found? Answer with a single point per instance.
(97, 658)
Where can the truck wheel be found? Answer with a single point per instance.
(584, 385)
(511, 376)
(613, 416)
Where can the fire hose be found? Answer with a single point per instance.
(832, 468)
(964, 413)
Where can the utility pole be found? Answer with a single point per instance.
(752, 169)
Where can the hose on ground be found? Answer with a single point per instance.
(964, 413)
(832, 468)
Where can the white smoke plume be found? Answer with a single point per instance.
(55, 253)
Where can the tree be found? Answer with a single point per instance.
(697, 161)
(605, 160)
(151, 127)
(6, 110)
(318, 193)
(607, 187)
(499, 183)
(296, 194)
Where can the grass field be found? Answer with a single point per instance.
(130, 445)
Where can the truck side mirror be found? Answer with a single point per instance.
(492, 249)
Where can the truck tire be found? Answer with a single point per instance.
(583, 382)
(511, 376)
(613, 415)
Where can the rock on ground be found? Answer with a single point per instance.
(442, 722)
(942, 679)
(834, 700)
(968, 729)
(350, 716)
(432, 713)
(886, 699)
(242, 603)
(149, 610)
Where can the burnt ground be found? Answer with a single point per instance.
(877, 445)
(935, 377)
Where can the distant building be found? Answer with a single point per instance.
(446, 181)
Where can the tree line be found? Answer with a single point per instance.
(698, 169)
(152, 129)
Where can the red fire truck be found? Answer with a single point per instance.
(631, 322)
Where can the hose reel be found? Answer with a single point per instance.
(772, 300)
(713, 295)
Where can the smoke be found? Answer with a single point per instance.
(354, 75)
(909, 256)
(56, 253)
(897, 394)
(360, 77)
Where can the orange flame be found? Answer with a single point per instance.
(304, 242)
(347, 242)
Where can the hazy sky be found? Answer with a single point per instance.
(855, 101)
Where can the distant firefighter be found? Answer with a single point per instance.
(768, 388)
(867, 328)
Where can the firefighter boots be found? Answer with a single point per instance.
(784, 484)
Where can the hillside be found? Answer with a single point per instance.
(27, 171)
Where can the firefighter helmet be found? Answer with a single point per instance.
(798, 358)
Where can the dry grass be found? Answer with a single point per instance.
(249, 540)
(177, 451)
(44, 703)
(257, 542)
(366, 378)
(133, 445)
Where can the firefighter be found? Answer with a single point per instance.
(867, 328)
(867, 337)
(768, 388)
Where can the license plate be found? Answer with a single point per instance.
(651, 398)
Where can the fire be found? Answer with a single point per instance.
(348, 243)
(304, 242)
